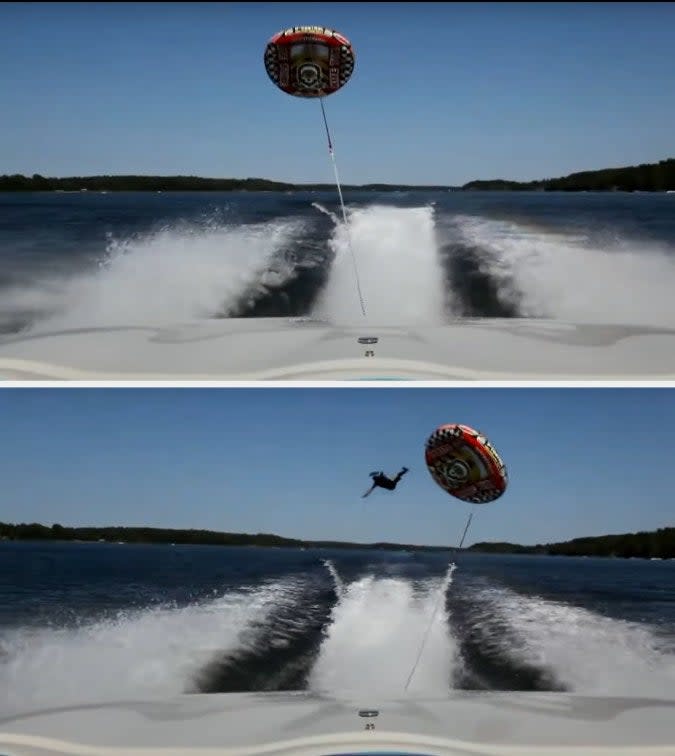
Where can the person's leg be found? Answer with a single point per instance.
(400, 475)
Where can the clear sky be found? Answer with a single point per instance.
(442, 92)
(295, 461)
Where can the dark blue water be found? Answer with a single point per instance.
(85, 259)
(94, 620)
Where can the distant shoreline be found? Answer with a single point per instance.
(655, 544)
(98, 184)
(648, 177)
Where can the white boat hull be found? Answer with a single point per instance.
(300, 724)
(264, 349)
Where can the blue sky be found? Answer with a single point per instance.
(442, 92)
(296, 461)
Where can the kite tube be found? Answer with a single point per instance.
(309, 61)
(464, 464)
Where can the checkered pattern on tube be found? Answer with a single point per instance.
(488, 489)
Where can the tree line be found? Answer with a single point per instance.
(56, 532)
(37, 183)
(646, 545)
(651, 544)
(646, 177)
